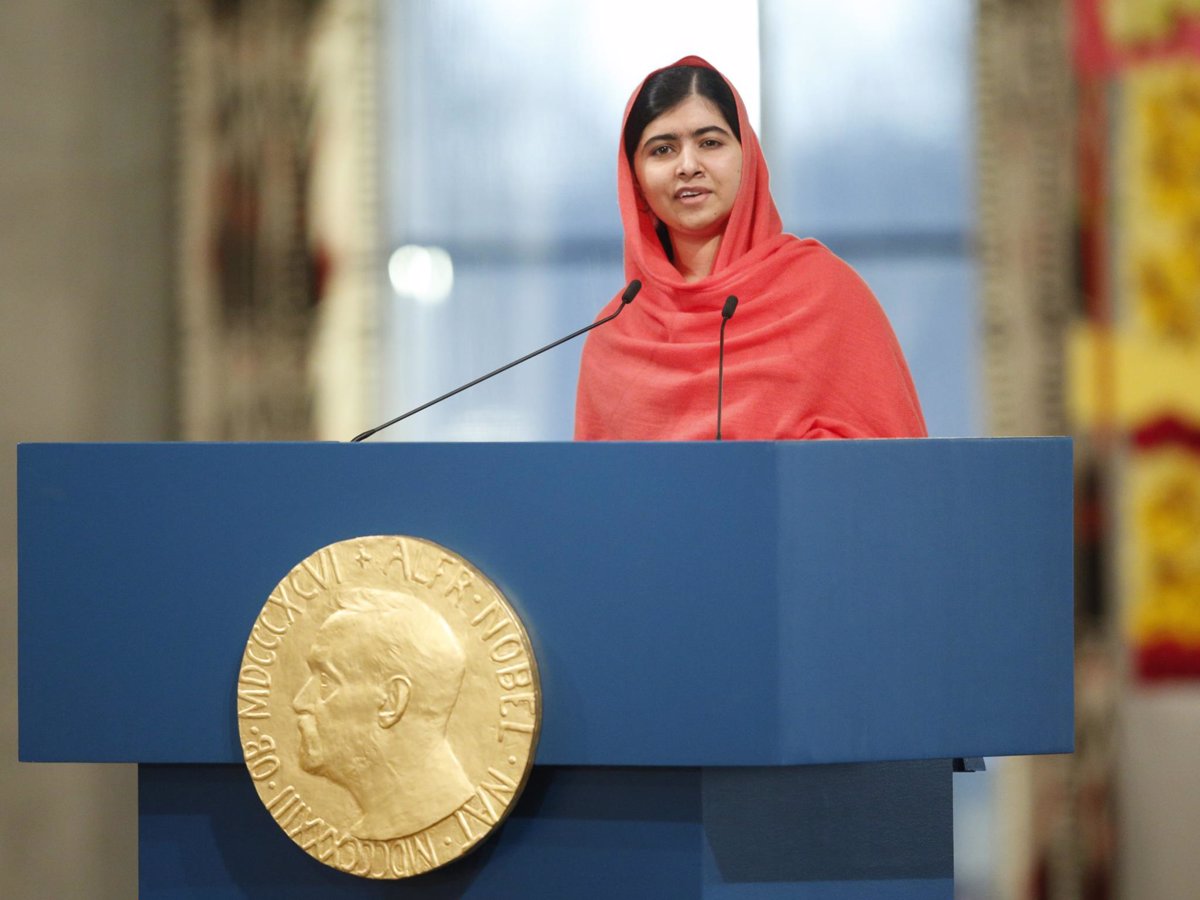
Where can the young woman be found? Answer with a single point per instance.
(809, 352)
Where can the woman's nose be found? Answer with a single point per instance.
(689, 163)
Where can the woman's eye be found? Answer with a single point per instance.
(661, 150)
(711, 142)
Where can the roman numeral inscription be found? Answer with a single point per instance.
(254, 689)
(283, 609)
(397, 858)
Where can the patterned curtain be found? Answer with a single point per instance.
(1056, 811)
(277, 219)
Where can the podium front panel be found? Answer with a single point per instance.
(690, 604)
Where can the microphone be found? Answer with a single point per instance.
(731, 303)
(627, 296)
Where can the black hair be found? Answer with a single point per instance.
(666, 89)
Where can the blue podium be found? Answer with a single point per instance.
(758, 660)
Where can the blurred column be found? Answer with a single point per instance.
(1026, 244)
(278, 269)
(85, 354)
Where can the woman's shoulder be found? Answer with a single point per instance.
(812, 252)
(821, 266)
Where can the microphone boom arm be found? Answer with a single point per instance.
(626, 299)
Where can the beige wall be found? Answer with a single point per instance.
(85, 353)
(1159, 793)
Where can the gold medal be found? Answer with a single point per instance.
(388, 706)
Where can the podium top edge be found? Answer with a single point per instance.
(1040, 439)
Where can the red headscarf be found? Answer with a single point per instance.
(809, 352)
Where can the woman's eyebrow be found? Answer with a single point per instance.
(668, 136)
(671, 136)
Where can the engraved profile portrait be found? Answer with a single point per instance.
(384, 673)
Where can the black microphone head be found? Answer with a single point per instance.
(631, 291)
(730, 306)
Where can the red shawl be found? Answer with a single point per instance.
(808, 354)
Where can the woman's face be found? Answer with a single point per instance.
(689, 167)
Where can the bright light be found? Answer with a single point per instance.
(653, 35)
(426, 274)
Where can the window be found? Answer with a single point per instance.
(500, 137)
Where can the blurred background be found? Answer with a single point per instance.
(292, 219)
